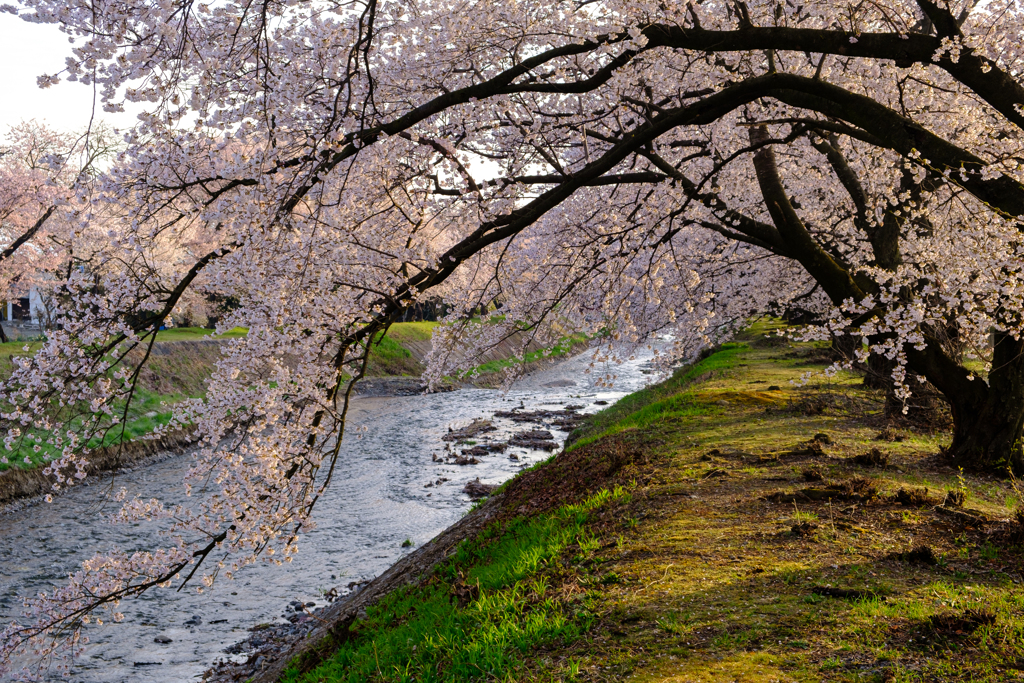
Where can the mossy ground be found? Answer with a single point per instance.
(698, 575)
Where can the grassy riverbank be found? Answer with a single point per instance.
(394, 356)
(400, 354)
(184, 360)
(179, 369)
(720, 527)
(176, 371)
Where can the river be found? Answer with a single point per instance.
(377, 500)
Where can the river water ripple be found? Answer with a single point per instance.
(377, 500)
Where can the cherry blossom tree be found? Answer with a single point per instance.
(629, 166)
(45, 178)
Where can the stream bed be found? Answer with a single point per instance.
(391, 485)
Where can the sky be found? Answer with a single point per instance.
(27, 51)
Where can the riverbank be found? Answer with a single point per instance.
(725, 525)
(176, 370)
(184, 358)
(398, 360)
(180, 363)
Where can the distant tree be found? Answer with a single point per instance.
(628, 165)
(45, 178)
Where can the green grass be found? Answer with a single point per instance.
(388, 356)
(15, 348)
(561, 349)
(167, 379)
(140, 422)
(660, 401)
(420, 633)
(197, 333)
(408, 332)
(701, 577)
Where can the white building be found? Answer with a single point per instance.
(26, 310)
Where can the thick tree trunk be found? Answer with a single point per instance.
(923, 408)
(988, 437)
(987, 432)
(988, 418)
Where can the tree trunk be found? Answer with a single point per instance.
(988, 437)
(878, 373)
(987, 432)
(844, 347)
(922, 408)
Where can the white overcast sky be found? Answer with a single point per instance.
(27, 51)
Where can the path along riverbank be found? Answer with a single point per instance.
(396, 483)
(726, 525)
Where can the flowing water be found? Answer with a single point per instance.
(377, 500)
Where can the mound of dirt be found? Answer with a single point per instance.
(843, 593)
(858, 490)
(911, 497)
(822, 402)
(803, 529)
(1012, 533)
(574, 474)
(873, 458)
(954, 498)
(812, 474)
(922, 554)
(890, 434)
(964, 623)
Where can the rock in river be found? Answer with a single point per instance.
(540, 439)
(476, 489)
(471, 431)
